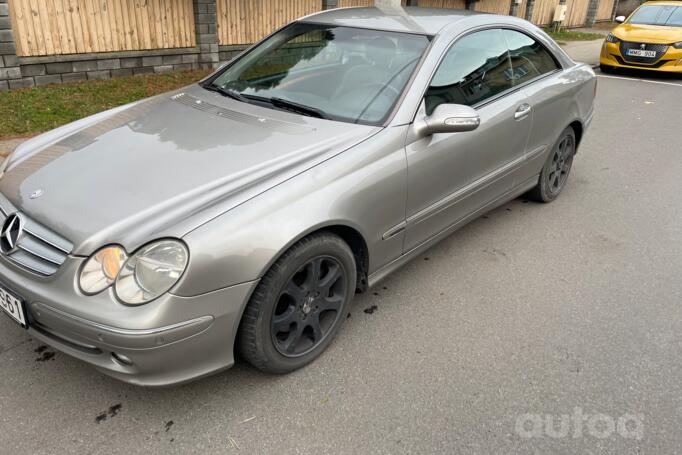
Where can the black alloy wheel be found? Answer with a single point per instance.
(560, 166)
(299, 304)
(556, 169)
(308, 306)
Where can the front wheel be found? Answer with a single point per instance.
(556, 169)
(299, 305)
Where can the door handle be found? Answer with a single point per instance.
(522, 111)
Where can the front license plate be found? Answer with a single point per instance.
(13, 306)
(641, 53)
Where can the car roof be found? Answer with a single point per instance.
(427, 21)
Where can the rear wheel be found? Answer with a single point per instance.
(556, 169)
(299, 305)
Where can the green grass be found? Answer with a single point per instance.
(30, 111)
(569, 35)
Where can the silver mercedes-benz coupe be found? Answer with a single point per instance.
(242, 213)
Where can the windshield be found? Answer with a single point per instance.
(340, 73)
(658, 15)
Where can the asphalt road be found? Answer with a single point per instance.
(530, 313)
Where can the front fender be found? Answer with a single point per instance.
(363, 188)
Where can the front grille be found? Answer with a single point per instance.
(659, 48)
(658, 64)
(38, 249)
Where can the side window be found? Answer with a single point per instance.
(529, 59)
(474, 69)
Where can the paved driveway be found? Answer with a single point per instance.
(530, 313)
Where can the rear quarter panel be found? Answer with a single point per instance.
(557, 101)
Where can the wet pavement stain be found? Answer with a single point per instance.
(111, 412)
(168, 425)
(47, 355)
(370, 309)
(40, 349)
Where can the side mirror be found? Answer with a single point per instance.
(449, 118)
(620, 19)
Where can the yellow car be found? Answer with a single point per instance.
(650, 39)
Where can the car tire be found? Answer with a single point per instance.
(556, 169)
(299, 305)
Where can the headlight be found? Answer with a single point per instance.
(678, 45)
(151, 271)
(611, 38)
(101, 269)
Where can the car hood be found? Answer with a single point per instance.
(656, 34)
(163, 166)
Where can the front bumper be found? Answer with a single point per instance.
(669, 62)
(170, 340)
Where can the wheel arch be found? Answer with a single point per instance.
(350, 234)
(578, 129)
(358, 245)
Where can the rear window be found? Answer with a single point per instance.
(528, 58)
(657, 15)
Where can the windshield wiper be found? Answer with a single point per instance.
(275, 102)
(226, 92)
(298, 108)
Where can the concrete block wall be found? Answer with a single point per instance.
(227, 53)
(530, 6)
(55, 69)
(206, 25)
(9, 67)
(592, 8)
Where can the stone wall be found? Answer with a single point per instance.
(31, 71)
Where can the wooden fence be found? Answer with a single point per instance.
(47, 27)
(493, 6)
(247, 21)
(576, 12)
(459, 4)
(349, 3)
(605, 10)
(543, 11)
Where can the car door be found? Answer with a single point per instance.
(452, 175)
(537, 71)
